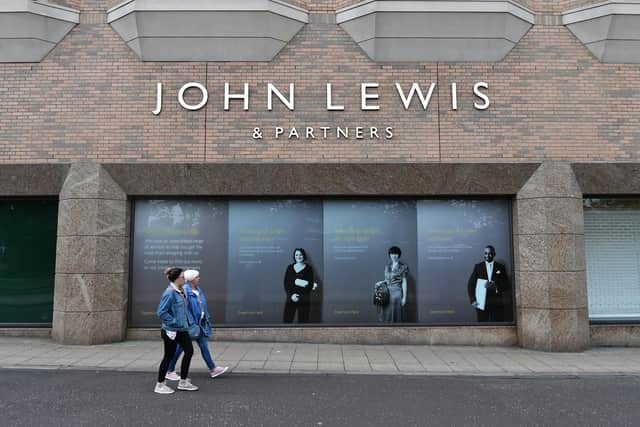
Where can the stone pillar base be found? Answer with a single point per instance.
(92, 258)
(550, 262)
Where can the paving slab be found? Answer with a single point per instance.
(249, 365)
(41, 353)
(384, 367)
(331, 367)
(330, 356)
(277, 366)
(304, 366)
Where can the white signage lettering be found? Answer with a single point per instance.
(454, 96)
(328, 132)
(364, 96)
(271, 89)
(203, 101)
(158, 100)
(406, 101)
(484, 97)
(244, 96)
(367, 95)
(330, 106)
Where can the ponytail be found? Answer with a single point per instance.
(172, 273)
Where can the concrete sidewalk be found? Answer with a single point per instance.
(287, 358)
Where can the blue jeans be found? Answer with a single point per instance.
(204, 349)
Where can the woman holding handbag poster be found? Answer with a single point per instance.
(395, 278)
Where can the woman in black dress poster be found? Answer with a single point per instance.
(298, 284)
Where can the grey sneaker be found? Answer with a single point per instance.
(186, 385)
(162, 388)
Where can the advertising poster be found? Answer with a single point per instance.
(262, 237)
(177, 233)
(358, 234)
(452, 236)
(244, 250)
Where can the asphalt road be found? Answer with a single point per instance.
(103, 398)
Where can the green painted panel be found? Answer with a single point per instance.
(27, 260)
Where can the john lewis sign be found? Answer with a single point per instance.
(368, 100)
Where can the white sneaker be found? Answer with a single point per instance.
(186, 385)
(172, 376)
(162, 388)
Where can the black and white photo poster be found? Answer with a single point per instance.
(243, 249)
(452, 236)
(358, 235)
(262, 237)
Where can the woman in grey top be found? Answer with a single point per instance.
(395, 276)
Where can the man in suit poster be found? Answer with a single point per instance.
(498, 288)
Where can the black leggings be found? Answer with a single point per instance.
(290, 308)
(170, 345)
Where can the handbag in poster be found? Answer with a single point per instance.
(381, 295)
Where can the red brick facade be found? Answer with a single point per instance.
(91, 97)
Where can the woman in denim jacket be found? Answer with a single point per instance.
(172, 310)
(200, 313)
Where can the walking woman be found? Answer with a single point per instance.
(175, 326)
(197, 306)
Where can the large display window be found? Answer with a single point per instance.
(320, 261)
(612, 241)
(27, 261)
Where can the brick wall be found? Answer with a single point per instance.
(91, 97)
(546, 6)
(555, 6)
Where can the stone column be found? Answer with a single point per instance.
(92, 258)
(550, 261)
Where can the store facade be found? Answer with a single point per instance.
(224, 136)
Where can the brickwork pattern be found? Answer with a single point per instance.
(91, 98)
(555, 6)
(310, 5)
(543, 6)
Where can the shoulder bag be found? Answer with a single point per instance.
(381, 294)
(194, 331)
